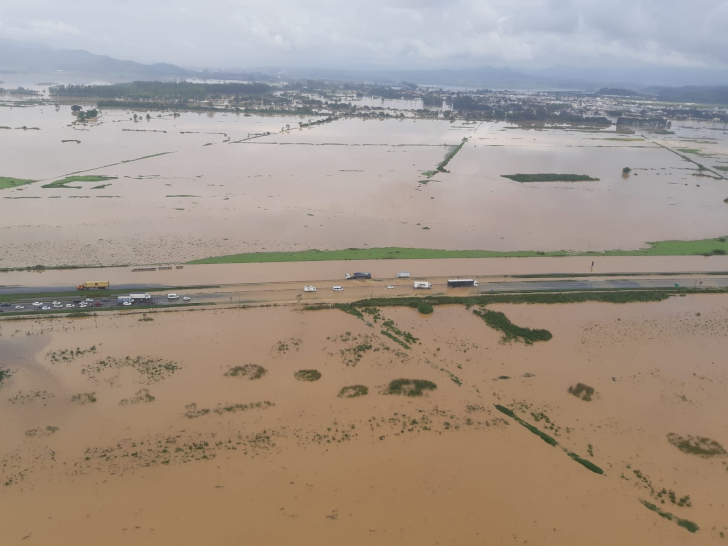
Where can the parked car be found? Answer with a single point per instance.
(390, 287)
(70, 305)
(172, 296)
(89, 299)
(126, 303)
(104, 299)
(46, 308)
(38, 304)
(4, 304)
(20, 307)
(186, 298)
(98, 304)
(338, 289)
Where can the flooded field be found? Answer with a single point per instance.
(197, 185)
(137, 427)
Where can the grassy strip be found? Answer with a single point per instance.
(549, 439)
(511, 332)
(410, 387)
(684, 523)
(441, 167)
(8, 182)
(588, 464)
(545, 437)
(549, 177)
(63, 183)
(659, 248)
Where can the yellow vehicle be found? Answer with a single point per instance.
(88, 285)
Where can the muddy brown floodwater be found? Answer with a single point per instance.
(201, 185)
(198, 275)
(164, 448)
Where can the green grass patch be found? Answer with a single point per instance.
(697, 445)
(307, 375)
(64, 182)
(721, 168)
(621, 139)
(549, 177)
(545, 437)
(684, 523)
(425, 308)
(694, 151)
(585, 392)
(7, 182)
(352, 391)
(659, 248)
(410, 387)
(251, 371)
(5, 374)
(100, 186)
(183, 195)
(192, 412)
(511, 332)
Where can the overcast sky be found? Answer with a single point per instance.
(393, 33)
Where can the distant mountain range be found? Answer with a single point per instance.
(68, 65)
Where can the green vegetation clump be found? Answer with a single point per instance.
(425, 308)
(192, 412)
(684, 523)
(68, 355)
(84, 398)
(352, 391)
(5, 373)
(697, 445)
(585, 392)
(307, 375)
(142, 396)
(410, 387)
(45, 431)
(511, 332)
(549, 177)
(153, 369)
(251, 371)
(8, 182)
(63, 183)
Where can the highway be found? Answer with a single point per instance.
(288, 292)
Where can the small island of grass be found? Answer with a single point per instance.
(9, 182)
(549, 177)
(63, 183)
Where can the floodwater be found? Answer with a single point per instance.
(312, 467)
(301, 272)
(230, 183)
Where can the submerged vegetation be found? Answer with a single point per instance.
(410, 387)
(352, 391)
(251, 371)
(84, 398)
(697, 445)
(307, 375)
(582, 391)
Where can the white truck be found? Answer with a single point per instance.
(422, 285)
(309, 289)
(139, 297)
(403, 275)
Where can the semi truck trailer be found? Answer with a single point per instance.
(88, 285)
(359, 275)
(460, 283)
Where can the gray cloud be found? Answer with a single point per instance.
(397, 33)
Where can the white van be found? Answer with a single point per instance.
(172, 296)
(338, 289)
